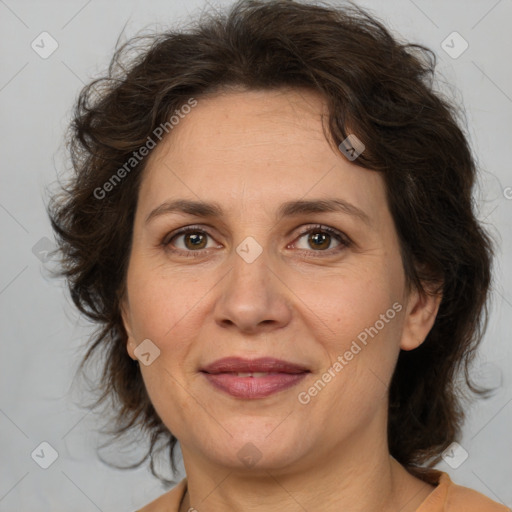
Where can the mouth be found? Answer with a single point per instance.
(251, 379)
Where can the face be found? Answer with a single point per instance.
(268, 272)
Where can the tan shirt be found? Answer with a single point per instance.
(446, 497)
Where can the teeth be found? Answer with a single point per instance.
(251, 374)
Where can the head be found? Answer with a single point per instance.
(246, 112)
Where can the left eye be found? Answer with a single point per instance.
(320, 237)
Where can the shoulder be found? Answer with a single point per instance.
(450, 497)
(168, 502)
(462, 498)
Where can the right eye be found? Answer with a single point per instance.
(193, 240)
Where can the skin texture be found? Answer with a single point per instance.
(250, 152)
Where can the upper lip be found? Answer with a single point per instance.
(262, 364)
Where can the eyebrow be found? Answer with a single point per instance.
(288, 209)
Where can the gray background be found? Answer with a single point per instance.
(42, 335)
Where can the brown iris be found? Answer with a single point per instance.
(196, 239)
(318, 239)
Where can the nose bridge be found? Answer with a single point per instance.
(250, 278)
(251, 294)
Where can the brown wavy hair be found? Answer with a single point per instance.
(377, 87)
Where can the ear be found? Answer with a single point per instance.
(130, 342)
(420, 315)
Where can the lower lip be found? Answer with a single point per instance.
(253, 387)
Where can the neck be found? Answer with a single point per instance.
(356, 476)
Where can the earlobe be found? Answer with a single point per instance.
(420, 315)
(130, 347)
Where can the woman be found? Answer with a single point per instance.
(271, 222)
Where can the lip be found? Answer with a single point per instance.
(262, 364)
(281, 375)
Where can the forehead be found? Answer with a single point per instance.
(259, 148)
(243, 124)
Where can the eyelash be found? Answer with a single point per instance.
(339, 236)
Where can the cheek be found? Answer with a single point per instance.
(358, 320)
(165, 316)
(161, 301)
(346, 304)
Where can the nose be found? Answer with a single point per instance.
(253, 297)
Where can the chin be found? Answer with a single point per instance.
(256, 450)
